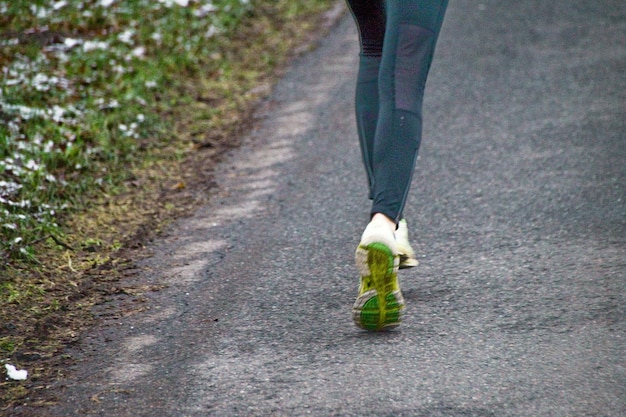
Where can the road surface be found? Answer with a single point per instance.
(517, 212)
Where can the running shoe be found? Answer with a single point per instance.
(379, 305)
(406, 252)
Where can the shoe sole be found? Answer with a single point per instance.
(381, 305)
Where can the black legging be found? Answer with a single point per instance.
(397, 39)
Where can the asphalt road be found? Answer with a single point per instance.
(517, 211)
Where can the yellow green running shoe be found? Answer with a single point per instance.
(379, 305)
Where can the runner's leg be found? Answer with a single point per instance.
(369, 16)
(412, 28)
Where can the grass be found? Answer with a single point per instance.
(111, 115)
(82, 91)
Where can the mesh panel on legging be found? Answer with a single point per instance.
(370, 19)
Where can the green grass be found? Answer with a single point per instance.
(81, 96)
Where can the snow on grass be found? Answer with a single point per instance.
(77, 82)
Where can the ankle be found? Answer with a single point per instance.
(383, 219)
